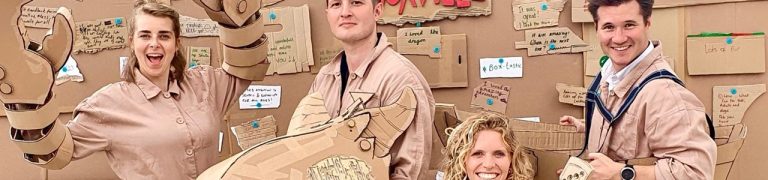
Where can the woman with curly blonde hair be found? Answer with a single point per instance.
(484, 147)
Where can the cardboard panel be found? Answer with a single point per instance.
(726, 54)
(451, 69)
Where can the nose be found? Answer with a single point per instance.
(619, 37)
(488, 163)
(346, 10)
(153, 43)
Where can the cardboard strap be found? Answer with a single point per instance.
(249, 56)
(30, 120)
(52, 137)
(242, 36)
(253, 73)
(61, 157)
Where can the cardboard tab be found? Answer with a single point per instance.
(450, 71)
(570, 94)
(94, 36)
(726, 54)
(491, 97)
(552, 41)
(192, 27)
(198, 56)
(399, 12)
(255, 131)
(290, 50)
(729, 103)
(38, 17)
(420, 41)
(530, 14)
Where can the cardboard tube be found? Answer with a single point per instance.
(44, 145)
(30, 120)
(241, 36)
(61, 157)
(247, 57)
(241, 10)
(253, 73)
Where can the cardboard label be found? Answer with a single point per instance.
(729, 103)
(419, 41)
(726, 55)
(253, 132)
(491, 97)
(531, 14)
(38, 17)
(552, 41)
(570, 94)
(261, 97)
(450, 70)
(199, 56)
(192, 27)
(290, 50)
(399, 12)
(508, 67)
(94, 36)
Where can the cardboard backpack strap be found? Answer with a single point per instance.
(594, 102)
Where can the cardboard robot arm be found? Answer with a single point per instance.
(242, 36)
(27, 73)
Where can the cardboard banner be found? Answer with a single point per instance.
(399, 12)
(94, 36)
(580, 11)
(491, 97)
(290, 50)
(726, 54)
(198, 56)
(508, 67)
(729, 103)
(38, 17)
(419, 41)
(530, 14)
(552, 41)
(570, 94)
(255, 131)
(192, 27)
(449, 71)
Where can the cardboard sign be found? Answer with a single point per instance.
(552, 41)
(290, 50)
(399, 12)
(419, 41)
(253, 132)
(726, 54)
(94, 36)
(37, 17)
(192, 27)
(69, 72)
(507, 67)
(449, 71)
(570, 94)
(199, 56)
(531, 14)
(729, 103)
(491, 97)
(260, 97)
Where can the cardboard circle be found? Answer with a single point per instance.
(2, 73)
(6, 88)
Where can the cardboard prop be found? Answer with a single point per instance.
(552, 41)
(576, 169)
(726, 53)
(355, 144)
(290, 50)
(251, 133)
(530, 14)
(442, 59)
(397, 12)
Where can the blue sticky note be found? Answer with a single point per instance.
(436, 50)
(418, 24)
(255, 124)
(501, 60)
(489, 101)
(64, 69)
(119, 21)
(272, 15)
(544, 6)
(551, 46)
(733, 91)
(729, 40)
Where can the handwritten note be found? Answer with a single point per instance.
(552, 41)
(199, 56)
(420, 41)
(726, 55)
(37, 17)
(570, 94)
(529, 14)
(491, 97)
(253, 132)
(399, 12)
(729, 103)
(192, 27)
(94, 36)
(508, 67)
(290, 50)
(340, 167)
(261, 97)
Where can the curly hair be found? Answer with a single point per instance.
(462, 139)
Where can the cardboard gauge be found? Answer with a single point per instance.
(290, 49)
(309, 113)
(34, 119)
(398, 13)
(242, 36)
(552, 41)
(308, 153)
(60, 157)
(247, 56)
(451, 69)
(530, 14)
(576, 169)
(730, 103)
(253, 73)
(52, 137)
(727, 152)
(570, 94)
(580, 11)
(726, 54)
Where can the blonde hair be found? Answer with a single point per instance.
(153, 8)
(462, 139)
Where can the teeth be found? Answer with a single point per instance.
(487, 175)
(621, 48)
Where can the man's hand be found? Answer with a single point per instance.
(572, 121)
(604, 167)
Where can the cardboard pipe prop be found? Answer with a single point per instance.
(36, 119)
(230, 12)
(52, 137)
(355, 144)
(253, 73)
(59, 158)
(242, 36)
(246, 56)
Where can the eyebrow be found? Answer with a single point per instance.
(161, 32)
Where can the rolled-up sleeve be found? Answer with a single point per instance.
(223, 88)
(88, 131)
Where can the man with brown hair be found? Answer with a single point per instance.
(663, 124)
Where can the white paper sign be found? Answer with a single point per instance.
(507, 67)
(260, 97)
(69, 72)
(123, 61)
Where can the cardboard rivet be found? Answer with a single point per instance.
(733, 91)
(2, 73)
(729, 40)
(351, 123)
(365, 145)
(242, 6)
(6, 88)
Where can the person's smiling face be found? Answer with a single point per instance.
(623, 32)
(489, 158)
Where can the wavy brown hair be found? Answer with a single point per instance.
(463, 137)
(153, 8)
